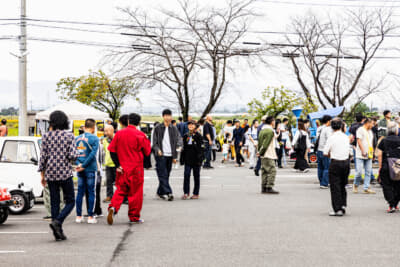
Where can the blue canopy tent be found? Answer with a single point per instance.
(313, 117)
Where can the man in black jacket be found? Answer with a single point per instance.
(192, 157)
(166, 142)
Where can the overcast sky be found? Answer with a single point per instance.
(48, 62)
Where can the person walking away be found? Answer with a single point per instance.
(338, 150)
(258, 165)
(353, 134)
(123, 121)
(181, 126)
(87, 145)
(192, 158)
(323, 133)
(245, 147)
(238, 139)
(278, 144)
(3, 128)
(111, 170)
(375, 138)
(214, 145)
(127, 150)
(285, 138)
(208, 136)
(382, 125)
(267, 152)
(253, 142)
(57, 153)
(166, 141)
(364, 155)
(388, 154)
(302, 145)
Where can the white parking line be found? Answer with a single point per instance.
(176, 177)
(11, 251)
(12, 233)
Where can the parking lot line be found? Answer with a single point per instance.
(28, 233)
(11, 251)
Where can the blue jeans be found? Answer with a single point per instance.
(67, 187)
(86, 182)
(207, 153)
(365, 164)
(323, 168)
(163, 167)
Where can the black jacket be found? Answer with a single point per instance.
(192, 154)
(174, 138)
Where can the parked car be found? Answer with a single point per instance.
(18, 162)
(5, 202)
(22, 197)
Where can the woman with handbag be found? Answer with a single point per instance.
(389, 159)
(302, 145)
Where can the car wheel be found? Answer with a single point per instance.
(218, 147)
(3, 215)
(20, 203)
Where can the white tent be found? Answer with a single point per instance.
(75, 111)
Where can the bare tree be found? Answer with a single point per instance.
(322, 55)
(176, 46)
(218, 32)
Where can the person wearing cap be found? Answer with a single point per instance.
(192, 157)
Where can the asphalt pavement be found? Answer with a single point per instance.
(232, 224)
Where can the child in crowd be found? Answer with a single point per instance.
(225, 149)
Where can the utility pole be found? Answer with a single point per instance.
(23, 113)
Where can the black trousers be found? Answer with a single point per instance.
(196, 175)
(239, 157)
(111, 173)
(391, 189)
(279, 153)
(163, 167)
(67, 187)
(338, 179)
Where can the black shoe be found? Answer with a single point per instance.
(270, 190)
(263, 190)
(251, 168)
(257, 172)
(63, 236)
(170, 197)
(57, 231)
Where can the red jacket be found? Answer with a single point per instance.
(130, 144)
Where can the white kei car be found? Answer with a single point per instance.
(19, 157)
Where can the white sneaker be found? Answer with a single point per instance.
(92, 220)
(79, 220)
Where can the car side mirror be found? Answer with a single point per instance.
(34, 161)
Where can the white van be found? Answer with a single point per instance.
(19, 157)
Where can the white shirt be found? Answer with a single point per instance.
(297, 135)
(166, 144)
(337, 146)
(229, 129)
(285, 132)
(325, 133)
(366, 137)
(225, 148)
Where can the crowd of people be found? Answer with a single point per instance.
(125, 151)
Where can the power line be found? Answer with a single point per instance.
(325, 4)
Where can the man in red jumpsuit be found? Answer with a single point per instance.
(127, 149)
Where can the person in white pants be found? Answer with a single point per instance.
(252, 136)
